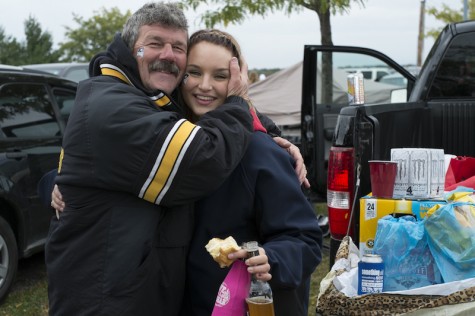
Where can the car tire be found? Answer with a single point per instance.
(8, 258)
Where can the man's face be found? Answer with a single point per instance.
(161, 56)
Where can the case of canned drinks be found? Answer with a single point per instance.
(421, 172)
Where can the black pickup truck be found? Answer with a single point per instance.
(433, 109)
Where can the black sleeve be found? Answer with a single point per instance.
(270, 126)
(221, 142)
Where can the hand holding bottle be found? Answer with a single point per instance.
(260, 300)
(258, 265)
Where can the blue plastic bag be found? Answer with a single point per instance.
(408, 262)
(451, 237)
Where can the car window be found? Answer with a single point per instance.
(65, 101)
(456, 74)
(344, 63)
(77, 74)
(26, 111)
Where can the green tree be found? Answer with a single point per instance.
(38, 47)
(9, 48)
(235, 11)
(449, 15)
(92, 35)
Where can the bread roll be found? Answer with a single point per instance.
(220, 248)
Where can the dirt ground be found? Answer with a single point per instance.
(29, 271)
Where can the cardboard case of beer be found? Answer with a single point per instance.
(421, 172)
(372, 209)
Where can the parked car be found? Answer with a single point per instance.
(371, 73)
(34, 107)
(395, 79)
(72, 71)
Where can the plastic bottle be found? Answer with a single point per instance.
(259, 301)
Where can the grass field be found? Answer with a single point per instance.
(29, 294)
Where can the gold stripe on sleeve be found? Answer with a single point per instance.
(61, 156)
(168, 161)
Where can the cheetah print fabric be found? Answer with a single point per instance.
(333, 302)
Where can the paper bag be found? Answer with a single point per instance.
(460, 169)
(231, 298)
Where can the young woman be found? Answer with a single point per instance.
(262, 199)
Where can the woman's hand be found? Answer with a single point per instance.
(257, 265)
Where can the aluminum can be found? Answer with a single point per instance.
(355, 89)
(370, 274)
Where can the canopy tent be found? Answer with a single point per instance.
(279, 96)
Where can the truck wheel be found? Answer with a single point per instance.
(8, 258)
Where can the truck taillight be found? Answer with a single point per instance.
(340, 187)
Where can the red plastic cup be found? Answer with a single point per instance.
(383, 176)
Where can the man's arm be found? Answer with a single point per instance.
(270, 126)
(164, 159)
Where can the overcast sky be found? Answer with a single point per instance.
(276, 41)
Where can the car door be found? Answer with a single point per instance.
(31, 129)
(324, 94)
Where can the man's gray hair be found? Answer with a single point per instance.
(168, 15)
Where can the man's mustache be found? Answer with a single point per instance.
(165, 66)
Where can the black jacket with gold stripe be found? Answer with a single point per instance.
(130, 170)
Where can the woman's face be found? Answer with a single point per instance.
(206, 87)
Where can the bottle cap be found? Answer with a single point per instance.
(252, 248)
